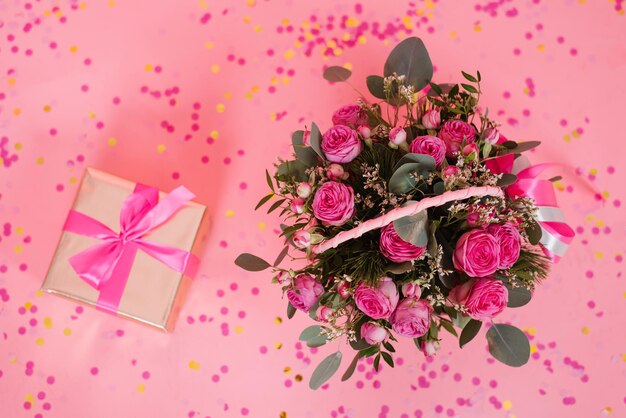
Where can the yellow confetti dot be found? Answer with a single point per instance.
(247, 19)
(589, 218)
(258, 28)
(92, 115)
(289, 54)
(73, 180)
(17, 111)
(112, 142)
(11, 81)
(585, 330)
(454, 35)
(238, 329)
(541, 48)
(28, 305)
(298, 378)
(567, 138)
(18, 146)
(228, 95)
(408, 24)
(141, 388)
(283, 414)
(533, 349)
(18, 249)
(593, 171)
(526, 90)
(214, 134)
(111, 3)
(73, 49)
(161, 148)
(220, 108)
(82, 6)
(230, 213)
(251, 3)
(47, 322)
(39, 293)
(285, 22)
(286, 80)
(598, 255)
(40, 160)
(361, 40)
(19, 230)
(39, 341)
(278, 346)
(47, 108)
(273, 116)
(608, 409)
(29, 398)
(261, 226)
(248, 96)
(337, 52)
(507, 405)
(203, 4)
(477, 28)
(278, 320)
(67, 332)
(531, 330)
(148, 67)
(215, 68)
(194, 365)
(351, 22)
(287, 370)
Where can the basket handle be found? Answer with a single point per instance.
(409, 210)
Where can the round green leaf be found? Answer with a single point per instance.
(376, 86)
(251, 262)
(508, 344)
(470, 330)
(310, 333)
(413, 229)
(337, 74)
(325, 370)
(518, 296)
(404, 179)
(410, 58)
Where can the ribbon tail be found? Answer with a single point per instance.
(81, 224)
(176, 259)
(111, 294)
(96, 264)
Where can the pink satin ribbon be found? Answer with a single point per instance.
(556, 233)
(106, 266)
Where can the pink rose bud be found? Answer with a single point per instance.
(451, 170)
(491, 136)
(373, 333)
(411, 290)
(472, 219)
(343, 288)
(305, 293)
(297, 206)
(301, 239)
(303, 189)
(306, 138)
(283, 278)
(397, 136)
(412, 317)
(431, 119)
(364, 131)
(430, 347)
(334, 203)
(484, 298)
(377, 302)
(477, 253)
(469, 149)
(335, 172)
(323, 313)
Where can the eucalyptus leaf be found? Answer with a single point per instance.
(387, 357)
(413, 228)
(439, 187)
(518, 296)
(508, 344)
(337, 74)
(315, 139)
(470, 330)
(264, 200)
(447, 325)
(534, 233)
(291, 310)
(445, 89)
(306, 155)
(251, 262)
(410, 58)
(318, 341)
(325, 370)
(310, 333)
(399, 268)
(294, 169)
(375, 84)
(269, 180)
(351, 368)
(426, 161)
(506, 180)
(281, 256)
(519, 148)
(404, 179)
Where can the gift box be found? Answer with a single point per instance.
(127, 249)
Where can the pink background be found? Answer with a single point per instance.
(206, 94)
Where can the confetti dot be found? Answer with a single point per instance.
(194, 365)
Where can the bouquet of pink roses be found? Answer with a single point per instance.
(412, 214)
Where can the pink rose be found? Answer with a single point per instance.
(333, 203)
(509, 239)
(350, 115)
(301, 239)
(412, 318)
(431, 119)
(477, 253)
(397, 136)
(430, 145)
(456, 132)
(341, 144)
(379, 302)
(395, 248)
(306, 292)
(484, 298)
(373, 333)
(491, 136)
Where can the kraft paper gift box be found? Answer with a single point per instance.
(124, 269)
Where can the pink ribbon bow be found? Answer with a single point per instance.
(106, 266)
(556, 234)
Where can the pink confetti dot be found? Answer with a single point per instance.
(255, 291)
(243, 186)
(589, 274)
(223, 244)
(60, 187)
(227, 160)
(94, 371)
(573, 52)
(84, 88)
(146, 375)
(175, 175)
(215, 378)
(50, 380)
(263, 349)
(116, 100)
